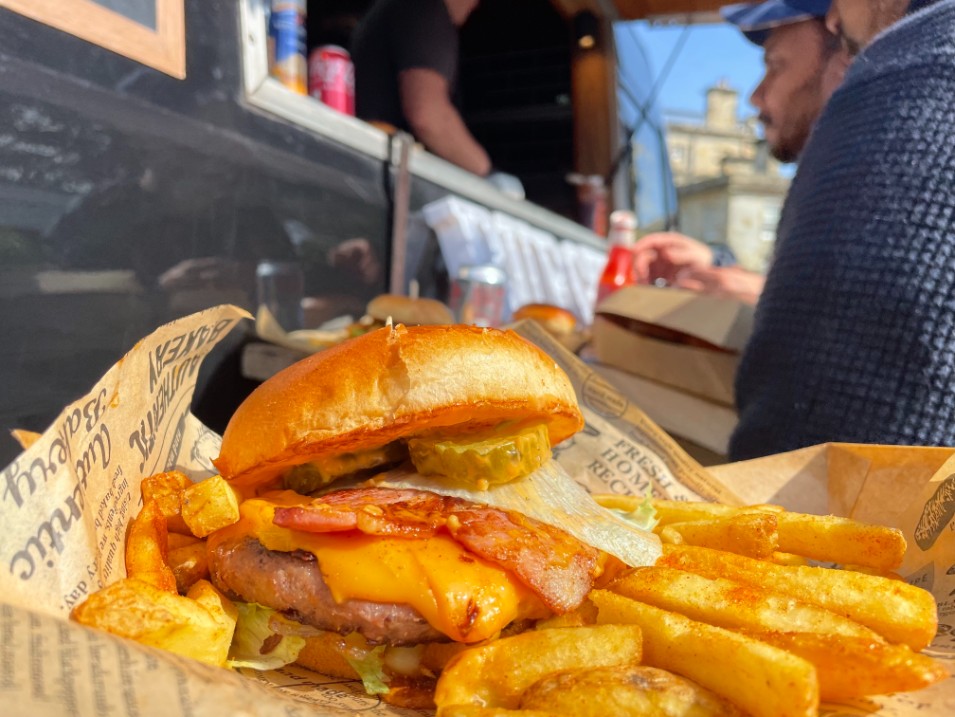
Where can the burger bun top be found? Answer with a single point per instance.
(407, 310)
(394, 383)
(558, 322)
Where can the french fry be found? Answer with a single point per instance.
(166, 489)
(199, 628)
(852, 667)
(872, 571)
(668, 535)
(189, 563)
(496, 674)
(781, 558)
(729, 604)
(624, 690)
(146, 548)
(475, 711)
(584, 614)
(829, 538)
(752, 534)
(826, 538)
(209, 505)
(178, 540)
(223, 612)
(767, 507)
(900, 612)
(760, 679)
(668, 511)
(682, 511)
(25, 438)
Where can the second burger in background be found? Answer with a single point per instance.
(411, 311)
(400, 309)
(476, 532)
(558, 322)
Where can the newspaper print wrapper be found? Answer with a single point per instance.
(67, 499)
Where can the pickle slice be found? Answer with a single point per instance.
(492, 460)
(319, 472)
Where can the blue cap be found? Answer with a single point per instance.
(757, 19)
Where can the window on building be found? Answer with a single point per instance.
(770, 221)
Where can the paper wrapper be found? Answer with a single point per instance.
(67, 499)
(305, 341)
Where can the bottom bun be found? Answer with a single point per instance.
(412, 693)
(324, 653)
(411, 687)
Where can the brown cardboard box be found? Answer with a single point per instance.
(701, 427)
(680, 338)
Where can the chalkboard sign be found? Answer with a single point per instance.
(152, 32)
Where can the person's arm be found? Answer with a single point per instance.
(732, 282)
(434, 120)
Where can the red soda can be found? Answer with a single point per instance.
(331, 78)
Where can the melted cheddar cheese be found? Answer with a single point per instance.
(463, 596)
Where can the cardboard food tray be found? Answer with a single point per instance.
(66, 502)
(680, 338)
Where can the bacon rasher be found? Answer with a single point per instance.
(552, 563)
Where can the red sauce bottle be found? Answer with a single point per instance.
(619, 270)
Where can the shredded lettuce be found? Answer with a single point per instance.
(256, 645)
(644, 516)
(370, 666)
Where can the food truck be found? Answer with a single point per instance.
(150, 165)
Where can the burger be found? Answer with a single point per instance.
(400, 500)
(389, 309)
(408, 310)
(558, 322)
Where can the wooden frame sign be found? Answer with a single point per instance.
(152, 32)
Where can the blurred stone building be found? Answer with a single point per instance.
(730, 188)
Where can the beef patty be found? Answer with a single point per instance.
(292, 583)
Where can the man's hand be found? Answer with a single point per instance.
(664, 255)
(356, 257)
(726, 281)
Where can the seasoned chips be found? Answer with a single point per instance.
(898, 611)
(735, 606)
(165, 600)
(628, 690)
(497, 674)
(758, 678)
(199, 625)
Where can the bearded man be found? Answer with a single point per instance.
(854, 338)
(804, 65)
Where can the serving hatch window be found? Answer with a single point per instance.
(513, 90)
(518, 92)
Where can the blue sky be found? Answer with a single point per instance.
(709, 53)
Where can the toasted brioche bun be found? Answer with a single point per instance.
(406, 310)
(556, 320)
(325, 653)
(390, 384)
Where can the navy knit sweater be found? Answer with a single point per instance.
(854, 337)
